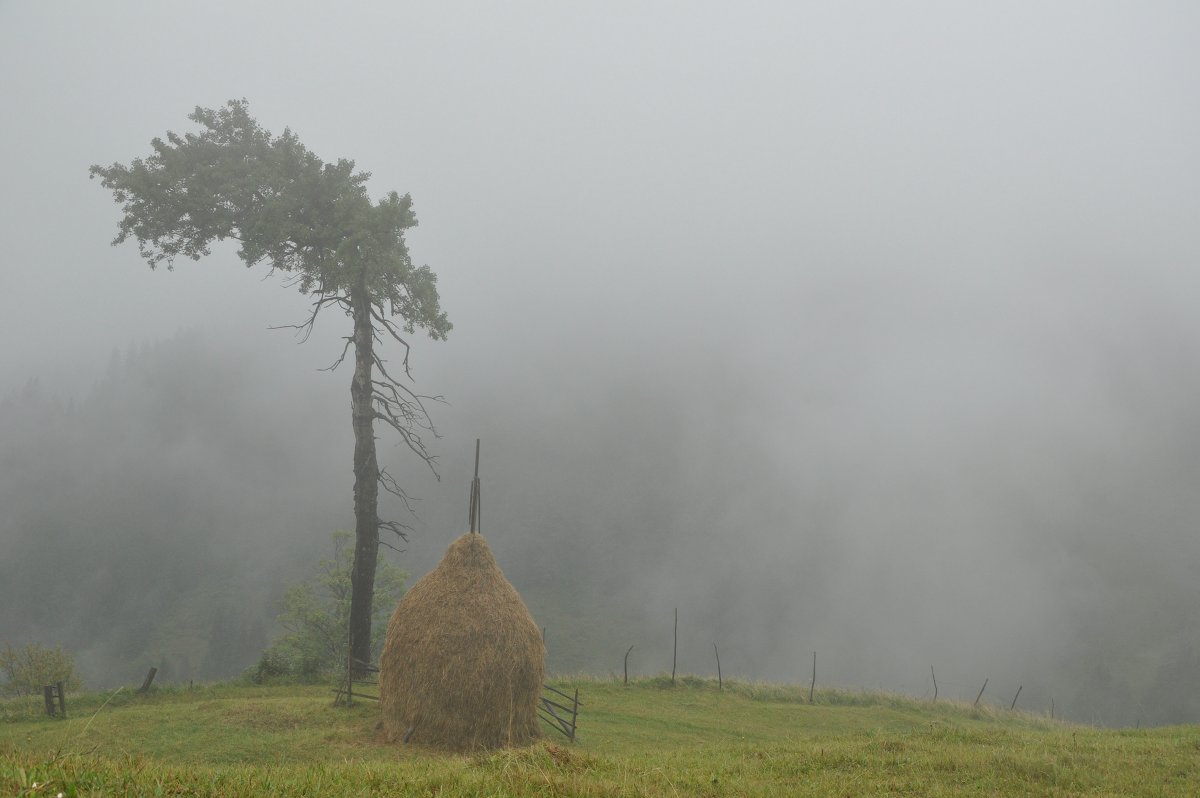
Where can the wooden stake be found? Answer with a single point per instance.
(675, 647)
(62, 700)
(720, 682)
(813, 686)
(574, 715)
(149, 678)
(470, 504)
(981, 689)
(1014, 703)
(934, 675)
(627, 664)
(474, 506)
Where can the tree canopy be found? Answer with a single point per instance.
(284, 206)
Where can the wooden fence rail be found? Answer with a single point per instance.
(345, 692)
(560, 723)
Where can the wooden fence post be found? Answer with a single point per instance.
(981, 689)
(627, 664)
(720, 682)
(48, 698)
(1013, 705)
(574, 714)
(675, 647)
(813, 686)
(62, 700)
(934, 675)
(149, 678)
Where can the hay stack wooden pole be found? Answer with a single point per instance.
(473, 510)
(464, 661)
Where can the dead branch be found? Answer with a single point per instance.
(333, 366)
(383, 542)
(398, 529)
(393, 331)
(391, 486)
(304, 329)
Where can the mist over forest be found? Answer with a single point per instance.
(860, 331)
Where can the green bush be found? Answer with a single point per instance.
(315, 615)
(271, 665)
(31, 668)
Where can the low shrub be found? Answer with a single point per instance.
(27, 670)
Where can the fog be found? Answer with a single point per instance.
(852, 328)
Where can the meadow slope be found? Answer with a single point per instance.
(647, 739)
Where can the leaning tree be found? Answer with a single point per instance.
(314, 222)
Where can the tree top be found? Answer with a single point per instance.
(284, 205)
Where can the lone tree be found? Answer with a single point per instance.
(315, 222)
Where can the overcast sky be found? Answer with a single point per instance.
(930, 265)
(637, 171)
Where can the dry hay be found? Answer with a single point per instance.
(463, 663)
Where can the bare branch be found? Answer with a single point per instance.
(393, 331)
(413, 414)
(410, 405)
(383, 542)
(394, 386)
(349, 341)
(304, 329)
(411, 438)
(400, 530)
(391, 486)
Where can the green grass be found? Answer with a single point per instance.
(648, 739)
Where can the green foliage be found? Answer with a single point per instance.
(315, 615)
(29, 669)
(284, 205)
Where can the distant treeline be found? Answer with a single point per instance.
(154, 519)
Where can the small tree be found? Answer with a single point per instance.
(315, 222)
(31, 668)
(314, 615)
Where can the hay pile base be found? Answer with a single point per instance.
(463, 663)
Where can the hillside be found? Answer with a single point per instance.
(648, 739)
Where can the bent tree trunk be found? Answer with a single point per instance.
(366, 482)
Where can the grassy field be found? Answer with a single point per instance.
(648, 739)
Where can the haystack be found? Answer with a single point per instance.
(463, 663)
